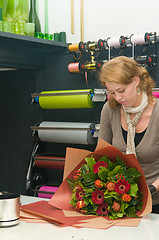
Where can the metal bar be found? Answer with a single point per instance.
(48, 159)
(60, 93)
(35, 128)
(39, 191)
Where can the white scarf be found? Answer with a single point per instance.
(130, 148)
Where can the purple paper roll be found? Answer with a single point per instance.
(47, 191)
(156, 94)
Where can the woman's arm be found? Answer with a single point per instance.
(154, 187)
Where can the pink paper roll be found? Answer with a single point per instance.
(47, 191)
(156, 94)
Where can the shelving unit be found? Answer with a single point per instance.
(33, 58)
(25, 52)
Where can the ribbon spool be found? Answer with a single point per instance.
(74, 67)
(73, 47)
(116, 42)
(100, 45)
(140, 39)
(147, 60)
(92, 66)
(77, 47)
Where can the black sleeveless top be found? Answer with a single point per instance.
(138, 136)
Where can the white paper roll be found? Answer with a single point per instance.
(65, 132)
(137, 39)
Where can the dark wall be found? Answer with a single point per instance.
(17, 114)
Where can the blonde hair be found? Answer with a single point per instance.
(122, 70)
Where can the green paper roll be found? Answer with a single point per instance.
(66, 101)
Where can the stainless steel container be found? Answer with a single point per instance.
(9, 209)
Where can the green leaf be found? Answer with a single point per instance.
(105, 159)
(131, 212)
(120, 215)
(103, 174)
(132, 175)
(116, 170)
(88, 191)
(71, 182)
(112, 195)
(133, 190)
(86, 200)
(91, 161)
(120, 162)
(72, 202)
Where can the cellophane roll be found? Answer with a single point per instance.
(66, 101)
(47, 191)
(65, 132)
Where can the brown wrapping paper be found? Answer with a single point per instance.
(58, 210)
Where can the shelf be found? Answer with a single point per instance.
(18, 51)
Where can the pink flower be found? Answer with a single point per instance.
(111, 186)
(122, 186)
(102, 209)
(116, 206)
(98, 196)
(79, 194)
(99, 164)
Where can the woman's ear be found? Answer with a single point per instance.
(137, 80)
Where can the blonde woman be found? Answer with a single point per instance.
(130, 118)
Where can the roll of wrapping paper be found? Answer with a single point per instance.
(47, 191)
(156, 94)
(66, 132)
(64, 101)
(49, 162)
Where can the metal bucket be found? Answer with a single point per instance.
(9, 209)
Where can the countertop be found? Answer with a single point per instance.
(148, 229)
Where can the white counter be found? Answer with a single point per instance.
(148, 229)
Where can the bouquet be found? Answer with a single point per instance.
(106, 188)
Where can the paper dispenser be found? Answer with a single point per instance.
(67, 132)
(64, 99)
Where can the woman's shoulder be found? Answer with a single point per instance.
(108, 110)
(156, 107)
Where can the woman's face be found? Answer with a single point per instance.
(125, 94)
